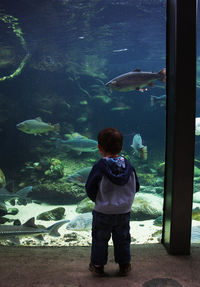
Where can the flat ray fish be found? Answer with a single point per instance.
(81, 222)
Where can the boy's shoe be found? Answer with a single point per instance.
(124, 269)
(97, 270)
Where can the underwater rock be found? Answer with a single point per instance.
(161, 168)
(4, 220)
(3, 209)
(13, 211)
(58, 193)
(56, 169)
(196, 214)
(196, 185)
(158, 221)
(17, 222)
(2, 179)
(70, 237)
(86, 205)
(146, 206)
(22, 201)
(54, 214)
(196, 197)
(147, 179)
(196, 171)
(159, 189)
(159, 181)
(81, 222)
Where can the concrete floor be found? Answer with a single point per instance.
(68, 267)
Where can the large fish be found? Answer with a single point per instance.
(80, 176)
(197, 126)
(139, 149)
(12, 232)
(37, 126)
(20, 194)
(135, 80)
(79, 144)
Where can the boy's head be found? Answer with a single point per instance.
(110, 140)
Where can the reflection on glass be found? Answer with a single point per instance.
(195, 233)
(57, 63)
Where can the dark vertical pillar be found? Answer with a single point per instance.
(180, 125)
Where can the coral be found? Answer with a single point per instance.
(161, 168)
(56, 169)
(2, 179)
(146, 178)
(196, 171)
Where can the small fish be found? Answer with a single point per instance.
(121, 108)
(135, 80)
(161, 101)
(120, 50)
(139, 149)
(20, 194)
(37, 126)
(79, 144)
(197, 126)
(12, 232)
(80, 176)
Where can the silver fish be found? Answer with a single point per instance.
(80, 176)
(79, 143)
(29, 229)
(135, 80)
(139, 149)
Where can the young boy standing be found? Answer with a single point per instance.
(111, 184)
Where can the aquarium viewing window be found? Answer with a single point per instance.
(60, 67)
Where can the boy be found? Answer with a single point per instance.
(111, 184)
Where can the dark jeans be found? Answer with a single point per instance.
(103, 226)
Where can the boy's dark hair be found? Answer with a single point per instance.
(111, 140)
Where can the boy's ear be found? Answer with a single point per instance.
(100, 148)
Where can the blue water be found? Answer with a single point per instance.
(75, 45)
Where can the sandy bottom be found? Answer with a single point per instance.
(142, 232)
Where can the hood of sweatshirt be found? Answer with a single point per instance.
(117, 169)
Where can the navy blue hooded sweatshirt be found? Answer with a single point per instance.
(112, 184)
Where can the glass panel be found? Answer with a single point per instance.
(195, 236)
(55, 59)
